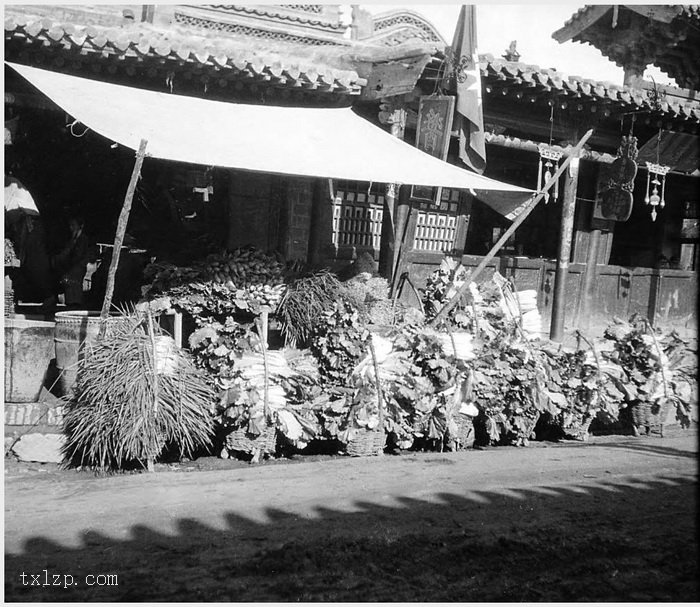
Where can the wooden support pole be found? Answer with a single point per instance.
(442, 314)
(566, 232)
(387, 253)
(402, 218)
(391, 223)
(119, 236)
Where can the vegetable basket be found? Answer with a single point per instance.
(577, 429)
(650, 414)
(247, 442)
(526, 428)
(241, 439)
(464, 435)
(366, 443)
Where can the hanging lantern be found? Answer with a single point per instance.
(653, 197)
(549, 160)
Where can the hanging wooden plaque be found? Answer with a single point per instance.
(435, 114)
(614, 198)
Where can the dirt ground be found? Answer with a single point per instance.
(613, 519)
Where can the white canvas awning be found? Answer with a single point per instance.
(333, 143)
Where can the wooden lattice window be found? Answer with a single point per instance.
(357, 214)
(436, 226)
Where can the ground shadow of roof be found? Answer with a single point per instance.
(619, 541)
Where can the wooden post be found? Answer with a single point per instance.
(389, 229)
(589, 282)
(119, 236)
(402, 218)
(566, 233)
(510, 231)
(391, 223)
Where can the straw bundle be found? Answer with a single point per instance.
(128, 404)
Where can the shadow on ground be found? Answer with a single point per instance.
(622, 541)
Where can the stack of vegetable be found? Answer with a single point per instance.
(256, 398)
(136, 394)
(304, 304)
(577, 385)
(243, 280)
(659, 371)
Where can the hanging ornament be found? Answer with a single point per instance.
(549, 159)
(654, 198)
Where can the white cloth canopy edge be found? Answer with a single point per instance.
(319, 142)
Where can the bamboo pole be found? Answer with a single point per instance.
(119, 237)
(510, 231)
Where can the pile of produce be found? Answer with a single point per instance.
(223, 284)
(508, 390)
(425, 400)
(581, 387)
(11, 258)
(259, 397)
(490, 310)
(370, 296)
(137, 393)
(484, 369)
(339, 342)
(658, 370)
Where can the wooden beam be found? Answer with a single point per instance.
(395, 78)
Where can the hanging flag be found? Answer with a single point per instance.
(465, 67)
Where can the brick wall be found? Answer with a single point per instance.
(298, 206)
(29, 414)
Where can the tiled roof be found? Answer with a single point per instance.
(634, 36)
(218, 54)
(538, 81)
(687, 10)
(266, 10)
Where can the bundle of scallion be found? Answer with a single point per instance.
(133, 397)
(303, 304)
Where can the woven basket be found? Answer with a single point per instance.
(465, 431)
(366, 442)
(524, 437)
(242, 440)
(650, 415)
(579, 430)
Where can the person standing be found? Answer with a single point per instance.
(70, 264)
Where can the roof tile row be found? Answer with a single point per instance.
(216, 53)
(525, 75)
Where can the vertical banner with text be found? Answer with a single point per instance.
(435, 114)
